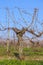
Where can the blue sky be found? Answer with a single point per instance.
(21, 3)
(28, 5)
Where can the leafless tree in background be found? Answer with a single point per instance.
(20, 33)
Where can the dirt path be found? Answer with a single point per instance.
(26, 58)
(34, 58)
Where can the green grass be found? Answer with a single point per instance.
(18, 62)
(3, 50)
(26, 51)
(33, 51)
(30, 53)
